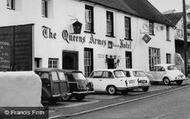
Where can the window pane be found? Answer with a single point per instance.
(54, 76)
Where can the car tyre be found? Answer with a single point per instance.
(179, 82)
(67, 98)
(80, 97)
(111, 90)
(166, 81)
(145, 89)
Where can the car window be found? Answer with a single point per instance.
(43, 75)
(160, 68)
(119, 74)
(54, 76)
(97, 74)
(172, 67)
(78, 76)
(127, 73)
(107, 74)
(62, 76)
(139, 74)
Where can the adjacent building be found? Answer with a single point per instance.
(177, 19)
(84, 35)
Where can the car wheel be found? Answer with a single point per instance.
(67, 97)
(145, 89)
(166, 81)
(79, 97)
(111, 90)
(179, 82)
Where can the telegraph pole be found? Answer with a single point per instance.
(185, 37)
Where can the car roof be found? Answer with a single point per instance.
(164, 65)
(107, 69)
(48, 69)
(129, 69)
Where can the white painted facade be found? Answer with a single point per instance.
(61, 16)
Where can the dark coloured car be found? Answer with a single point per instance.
(78, 84)
(54, 84)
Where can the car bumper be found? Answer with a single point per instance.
(83, 92)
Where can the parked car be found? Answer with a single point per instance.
(111, 81)
(78, 84)
(54, 84)
(167, 73)
(143, 81)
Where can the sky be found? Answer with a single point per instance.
(165, 5)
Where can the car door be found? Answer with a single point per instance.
(64, 88)
(96, 79)
(55, 83)
(107, 79)
(160, 71)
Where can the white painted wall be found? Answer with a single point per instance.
(61, 17)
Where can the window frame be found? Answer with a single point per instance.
(168, 58)
(44, 8)
(11, 4)
(168, 33)
(90, 9)
(109, 24)
(154, 58)
(53, 64)
(127, 30)
(151, 28)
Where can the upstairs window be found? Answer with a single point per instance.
(11, 4)
(127, 28)
(109, 20)
(167, 33)
(45, 8)
(89, 19)
(151, 28)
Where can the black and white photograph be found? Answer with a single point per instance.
(95, 59)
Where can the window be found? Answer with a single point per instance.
(168, 58)
(109, 20)
(97, 74)
(54, 76)
(127, 73)
(127, 28)
(44, 8)
(128, 59)
(151, 28)
(38, 62)
(119, 74)
(89, 19)
(53, 63)
(154, 58)
(88, 61)
(11, 4)
(107, 74)
(167, 33)
(61, 76)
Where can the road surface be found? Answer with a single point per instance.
(173, 105)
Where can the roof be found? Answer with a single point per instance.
(108, 70)
(174, 17)
(48, 69)
(139, 8)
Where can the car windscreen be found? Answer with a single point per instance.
(43, 75)
(139, 74)
(172, 67)
(119, 74)
(62, 76)
(78, 76)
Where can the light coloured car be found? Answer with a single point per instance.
(111, 81)
(140, 76)
(167, 73)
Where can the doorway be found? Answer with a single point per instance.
(70, 60)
